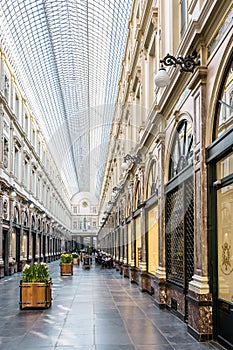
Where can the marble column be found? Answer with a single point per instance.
(199, 296)
(142, 263)
(160, 293)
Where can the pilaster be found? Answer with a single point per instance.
(160, 292)
(199, 297)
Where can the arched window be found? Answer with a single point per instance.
(224, 117)
(33, 223)
(25, 222)
(182, 149)
(16, 216)
(128, 206)
(137, 196)
(152, 183)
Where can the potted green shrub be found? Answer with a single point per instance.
(66, 264)
(35, 286)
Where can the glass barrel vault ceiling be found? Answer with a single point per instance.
(67, 57)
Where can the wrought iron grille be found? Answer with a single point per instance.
(175, 235)
(189, 230)
(179, 234)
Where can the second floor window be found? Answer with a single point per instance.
(6, 88)
(182, 148)
(16, 162)
(26, 123)
(26, 170)
(16, 106)
(183, 17)
(85, 224)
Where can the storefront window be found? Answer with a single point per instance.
(153, 240)
(225, 243)
(14, 245)
(129, 242)
(225, 167)
(25, 240)
(138, 241)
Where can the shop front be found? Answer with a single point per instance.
(220, 209)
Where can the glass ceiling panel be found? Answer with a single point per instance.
(67, 57)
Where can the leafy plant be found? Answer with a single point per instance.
(75, 255)
(37, 272)
(66, 258)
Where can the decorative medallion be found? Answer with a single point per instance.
(226, 259)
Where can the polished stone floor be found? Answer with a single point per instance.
(93, 309)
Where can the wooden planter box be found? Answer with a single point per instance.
(66, 269)
(35, 295)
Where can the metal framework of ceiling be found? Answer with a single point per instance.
(66, 55)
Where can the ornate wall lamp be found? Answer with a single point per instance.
(187, 64)
(133, 159)
(116, 190)
(104, 218)
(31, 205)
(12, 194)
(109, 206)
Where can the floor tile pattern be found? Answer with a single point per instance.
(94, 309)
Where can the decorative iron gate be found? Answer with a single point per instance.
(175, 236)
(180, 235)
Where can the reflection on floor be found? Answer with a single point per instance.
(93, 309)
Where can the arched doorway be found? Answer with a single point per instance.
(179, 220)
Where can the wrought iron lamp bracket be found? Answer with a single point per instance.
(135, 159)
(118, 189)
(187, 63)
